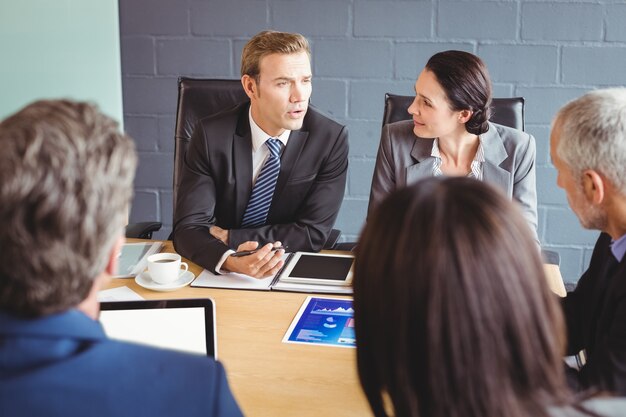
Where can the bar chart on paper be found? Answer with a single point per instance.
(323, 321)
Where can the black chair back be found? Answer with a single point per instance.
(198, 98)
(506, 111)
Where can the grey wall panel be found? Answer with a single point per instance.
(547, 51)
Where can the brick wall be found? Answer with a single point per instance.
(547, 51)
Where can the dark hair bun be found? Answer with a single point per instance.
(479, 122)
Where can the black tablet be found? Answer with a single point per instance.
(187, 325)
(319, 268)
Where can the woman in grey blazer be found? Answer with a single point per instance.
(450, 134)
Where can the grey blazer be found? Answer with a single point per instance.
(404, 158)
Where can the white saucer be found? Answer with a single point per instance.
(144, 280)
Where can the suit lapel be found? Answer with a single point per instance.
(613, 286)
(289, 159)
(589, 293)
(423, 167)
(242, 164)
(495, 153)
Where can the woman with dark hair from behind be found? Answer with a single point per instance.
(453, 314)
(451, 135)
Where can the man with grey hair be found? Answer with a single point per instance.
(66, 174)
(588, 149)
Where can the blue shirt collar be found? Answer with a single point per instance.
(71, 323)
(618, 247)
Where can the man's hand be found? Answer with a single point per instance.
(260, 264)
(219, 233)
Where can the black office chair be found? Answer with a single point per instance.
(142, 230)
(198, 98)
(506, 111)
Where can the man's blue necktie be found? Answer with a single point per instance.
(263, 191)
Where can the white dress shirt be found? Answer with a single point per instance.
(476, 166)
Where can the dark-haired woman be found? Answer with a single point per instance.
(450, 134)
(459, 322)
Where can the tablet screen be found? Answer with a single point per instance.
(322, 267)
(183, 325)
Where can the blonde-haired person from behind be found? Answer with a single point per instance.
(453, 315)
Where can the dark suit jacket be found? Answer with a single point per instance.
(64, 365)
(216, 183)
(598, 326)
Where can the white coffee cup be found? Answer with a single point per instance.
(164, 268)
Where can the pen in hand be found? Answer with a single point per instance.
(250, 252)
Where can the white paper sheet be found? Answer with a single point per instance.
(311, 288)
(118, 294)
(232, 280)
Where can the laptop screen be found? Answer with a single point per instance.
(186, 325)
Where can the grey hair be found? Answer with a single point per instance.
(593, 135)
(66, 174)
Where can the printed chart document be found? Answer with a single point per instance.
(323, 321)
(134, 258)
(244, 282)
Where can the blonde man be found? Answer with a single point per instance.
(267, 172)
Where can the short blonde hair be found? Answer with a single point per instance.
(270, 42)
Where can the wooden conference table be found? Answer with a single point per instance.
(271, 378)
(268, 377)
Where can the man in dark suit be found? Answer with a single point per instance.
(588, 149)
(66, 176)
(224, 174)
